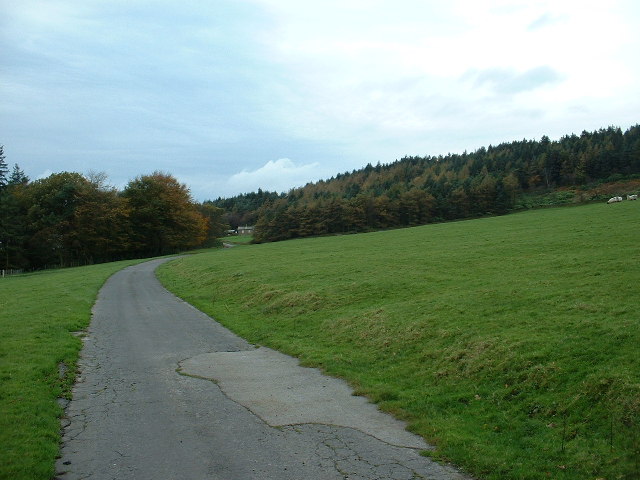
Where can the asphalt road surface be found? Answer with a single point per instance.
(167, 393)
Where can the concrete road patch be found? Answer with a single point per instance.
(278, 390)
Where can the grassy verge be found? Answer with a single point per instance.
(510, 342)
(38, 357)
(238, 239)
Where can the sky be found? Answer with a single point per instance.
(230, 96)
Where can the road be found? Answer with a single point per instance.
(164, 392)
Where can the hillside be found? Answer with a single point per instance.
(420, 190)
(509, 342)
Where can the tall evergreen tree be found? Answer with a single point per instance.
(12, 221)
(17, 176)
(4, 169)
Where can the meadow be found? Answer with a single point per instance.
(238, 239)
(510, 343)
(39, 313)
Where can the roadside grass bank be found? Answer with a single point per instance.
(511, 343)
(38, 354)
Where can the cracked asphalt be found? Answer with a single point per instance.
(136, 414)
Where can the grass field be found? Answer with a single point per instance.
(511, 343)
(238, 239)
(38, 356)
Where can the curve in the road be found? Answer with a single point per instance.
(135, 416)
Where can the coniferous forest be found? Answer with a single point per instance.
(73, 219)
(411, 191)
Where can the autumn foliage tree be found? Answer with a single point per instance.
(50, 205)
(102, 222)
(418, 190)
(72, 219)
(164, 218)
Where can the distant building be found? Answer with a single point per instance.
(246, 230)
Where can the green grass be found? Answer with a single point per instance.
(512, 343)
(238, 239)
(38, 313)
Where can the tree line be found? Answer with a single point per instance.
(243, 209)
(418, 190)
(71, 219)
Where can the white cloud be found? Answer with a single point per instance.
(209, 90)
(392, 80)
(280, 175)
(47, 173)
(545, 20)
(509, 81)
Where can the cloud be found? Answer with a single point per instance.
(508, 81)
(209, 91)
(47, 173)
(280, 176)
(544, 20)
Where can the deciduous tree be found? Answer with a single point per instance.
(216, 226)
(164, 217)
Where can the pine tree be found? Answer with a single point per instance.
(18, 177)
(4, 169)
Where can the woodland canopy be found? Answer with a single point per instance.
(69, 219)
(418, 190)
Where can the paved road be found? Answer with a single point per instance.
(145, 406)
